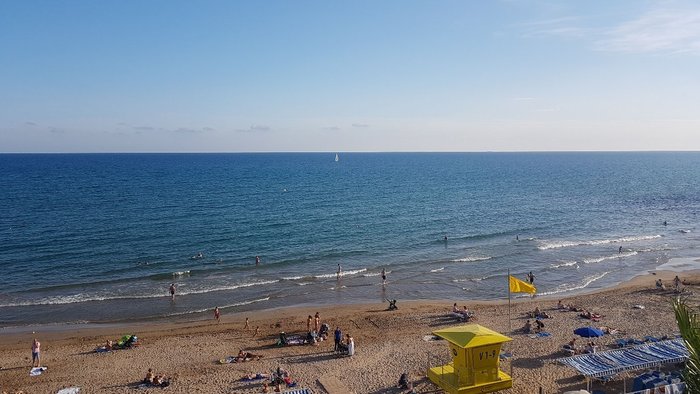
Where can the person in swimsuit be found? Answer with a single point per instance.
(36, 353)
(383, 276)
(217, 314)
(172, 291)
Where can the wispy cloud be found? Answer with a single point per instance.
(524, 99)
(361, 125)
(659, 30)
(185, 130)
(331, 128)
(30, 124)
(56, 130)
(255, 128)
(177, 130)
(143, 128)
(568, 26)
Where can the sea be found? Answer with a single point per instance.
(99, 238)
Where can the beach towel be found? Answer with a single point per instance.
(228, 360)
(258, 376)
(542, 334)
(36, 371)
(69, 390)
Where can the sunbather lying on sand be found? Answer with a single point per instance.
(590, 315)
(610, 330)
(247, 356)
(255, 376)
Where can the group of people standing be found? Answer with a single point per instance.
(348, 346)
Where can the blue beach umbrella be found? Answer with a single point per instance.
(588, 332)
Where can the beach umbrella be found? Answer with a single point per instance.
(588, 332)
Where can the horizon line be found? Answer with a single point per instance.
(339, 152)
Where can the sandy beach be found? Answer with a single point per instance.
(388, 343)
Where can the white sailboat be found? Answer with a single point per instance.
(336, 157)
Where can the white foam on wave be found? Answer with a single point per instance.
(470, 259)
(564, 264)
(438, 269)
(221, 307)
(343, 273)
(611, 257)
(181, 273)
(565, 244)
(678, 264)
(292, 277)
(571, 287)
(80, 297)
(370, 274)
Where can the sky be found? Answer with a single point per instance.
(332, 76)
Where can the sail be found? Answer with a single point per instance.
(336, 157)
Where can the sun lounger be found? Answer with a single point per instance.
(298, 391)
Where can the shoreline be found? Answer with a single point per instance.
(58, 330)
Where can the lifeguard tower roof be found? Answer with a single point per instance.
(471, 335)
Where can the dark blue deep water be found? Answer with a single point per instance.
(99, 237)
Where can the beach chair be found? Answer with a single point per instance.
(298, 391)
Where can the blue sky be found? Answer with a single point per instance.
(260, 76)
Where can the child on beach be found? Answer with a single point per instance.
(217, 314)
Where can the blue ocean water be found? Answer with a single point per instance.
(100, 237)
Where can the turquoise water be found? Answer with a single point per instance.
(99, 238)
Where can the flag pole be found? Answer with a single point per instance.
(509, 327)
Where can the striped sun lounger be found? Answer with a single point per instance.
(298, 391)
(630, 358)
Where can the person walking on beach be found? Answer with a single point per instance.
(531, 277)
(383, 276)
(172, 291)
(217, 314)
(619, 250)
(36, 353)
(246, 324)
(340, 271)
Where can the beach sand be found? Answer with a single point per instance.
(388, 343)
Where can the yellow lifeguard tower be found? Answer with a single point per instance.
(474, 367)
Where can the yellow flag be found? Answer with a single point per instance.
(518, 286)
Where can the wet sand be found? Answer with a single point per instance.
(388, 343)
